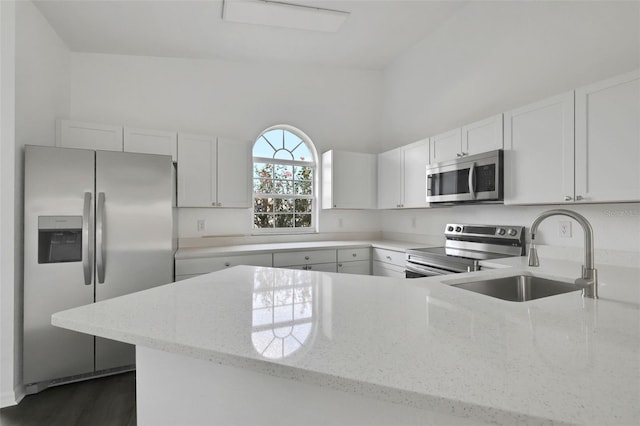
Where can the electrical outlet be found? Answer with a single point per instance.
(565, 229)
(201, 224)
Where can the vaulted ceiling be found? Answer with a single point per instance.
(373, 36)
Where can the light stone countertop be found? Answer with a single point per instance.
(199, 252)
(556, 360)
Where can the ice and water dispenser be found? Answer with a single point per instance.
(59, 239)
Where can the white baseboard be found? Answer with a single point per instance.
(7, 399)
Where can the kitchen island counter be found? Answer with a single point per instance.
(420, 345)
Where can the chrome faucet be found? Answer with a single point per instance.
(589, 279)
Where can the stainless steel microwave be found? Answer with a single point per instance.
(473, 178)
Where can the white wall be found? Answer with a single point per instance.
(337, 108)
(8, 287)
(42, 93)
(494, 56)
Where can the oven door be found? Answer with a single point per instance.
(474, 178)
(415, 270)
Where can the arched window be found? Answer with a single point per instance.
(284, 174)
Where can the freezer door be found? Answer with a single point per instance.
(134, 230)
(58, 246)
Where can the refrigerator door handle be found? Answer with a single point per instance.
(87, 246)
(100, 238)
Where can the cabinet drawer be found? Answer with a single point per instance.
(353, 254)
(304, 257)
(210, 264)
(320, 267)
(389, 256)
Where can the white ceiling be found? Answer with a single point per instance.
(373, 36)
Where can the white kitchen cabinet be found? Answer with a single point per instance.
(349, 180)
(446, 146)
(354, 261)
(212, 172)
(483, 136)
(147, 141)
(402, 176)
(607, 144)
(389, 179)
(188, 268)
(475, 138)
(539, 152)
(309, 260)
(388, 263)
(234, 165)
(78, 134)
(360, 267)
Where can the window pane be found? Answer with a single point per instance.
(262, 205)
(291, 141)
(263, 186)
(263, 221)
(283, 187)
(303, 153)
(304, 188)
(261, 170)
(274, 137)
(283, 154)
(262, 149)
(283, 205)
(304, 173)
(303, 206)
(284, 220)
(303, 221)
(282, 171)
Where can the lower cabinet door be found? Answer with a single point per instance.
(382, 269)
(361, 267)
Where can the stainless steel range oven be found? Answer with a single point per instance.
(465, 247)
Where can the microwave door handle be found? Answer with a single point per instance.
(472, 180)
(429, 177)
(87, 246)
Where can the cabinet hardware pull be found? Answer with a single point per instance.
(226, 264)
(388, 257)
(579, 197)
(568, 198)
(354, 254)
(306, 258)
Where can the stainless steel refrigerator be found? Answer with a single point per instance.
(97, 224)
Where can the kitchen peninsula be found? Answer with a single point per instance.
(258, 345)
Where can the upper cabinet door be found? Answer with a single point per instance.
(151, 142)
(389, 179)
(349, 180)
(77, 134)
(608, 140)
(482, 136)
(196, 177)
(415, 158)
(233, 176)
(446, 146)
(539, 152)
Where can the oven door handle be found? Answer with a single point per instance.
(426, 270)
(472, 181)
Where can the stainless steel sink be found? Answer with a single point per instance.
(518, 288)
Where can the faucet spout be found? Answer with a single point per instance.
(589, 279)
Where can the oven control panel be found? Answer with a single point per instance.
(487, 231)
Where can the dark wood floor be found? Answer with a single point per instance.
(108, 401)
